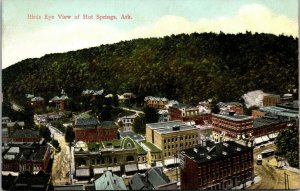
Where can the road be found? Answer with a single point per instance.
(61, 164)
(136, 111)
(271, 176)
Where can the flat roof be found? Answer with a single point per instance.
(214, 151)
(167, 127)
(258, 122)
(233, 117)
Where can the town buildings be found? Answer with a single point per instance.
(87, 128)
(252, 130)
(183, 112)
(153, 179)
(127, 122)
(25, 136)
(236, 107)
(121, 156)
(59, 102)
(156, 102)
(219, 166)
(31, 157)
(163, 115)
(37, 102)
(171, 137)
(230, 126)
(270, 100)
(109, 181)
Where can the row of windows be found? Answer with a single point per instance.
(181, 145)
(180, 138)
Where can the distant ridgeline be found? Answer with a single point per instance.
(188, 68)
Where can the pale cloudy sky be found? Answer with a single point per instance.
(24, 38)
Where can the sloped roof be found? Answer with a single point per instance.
(156, 177)
(26, 133)
(110, 181)
(138, 182)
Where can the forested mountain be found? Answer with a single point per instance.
(188, 68)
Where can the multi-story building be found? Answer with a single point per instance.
(236, 107)
(25, 136)
(59, 102)
(184, 112)
(87, 128)
(37, 102)
(245, 128)
(270, 100)
(163, 115)
(219, 166)
(156, 102)
(267, 128)
(230, 126)
(287, 111)
(121, 156)
(127, 122)
(26, 157)
(170, 137)
(152, 179)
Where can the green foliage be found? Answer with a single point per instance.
(55, 143)
(59, 125)
(188, 68)
(70, 135)
(151, 115)
(138, 125)
(45, 133)
(287, 144)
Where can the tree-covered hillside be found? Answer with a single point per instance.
(188, 68)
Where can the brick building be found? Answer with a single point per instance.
(37, 102)
(230, 127)
(25, 135)
(236, 107)
(26, 157)
(59, 102)
(219, 166)
(184, 112)
(88, 129)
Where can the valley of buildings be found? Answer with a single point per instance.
(188, 147)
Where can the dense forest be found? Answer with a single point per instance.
(189, 68)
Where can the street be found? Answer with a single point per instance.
(271, 176)
(61, 165)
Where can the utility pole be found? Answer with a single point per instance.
(284, 181)
(287, 178)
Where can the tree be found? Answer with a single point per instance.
(70, 135)
(151, 115)
(287, 144)
(55, 143)
(139, 125)
(45, 133)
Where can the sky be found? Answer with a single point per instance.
(32, 38)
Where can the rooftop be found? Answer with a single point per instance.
(151, 146)
(266, 120)
(214, 151)
(26, 133)
(233, 117)
(25, 152)
(110, 181)
(170, 127)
